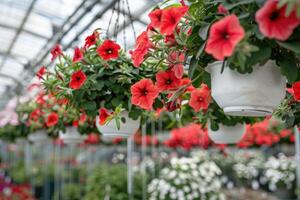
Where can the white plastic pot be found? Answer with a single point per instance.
(255, 94)
(38, 137)
(127, 129)
(227, 134)
(72, 136)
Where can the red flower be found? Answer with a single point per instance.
(103, 116)
(56, 51)
(78, 55)
(176, 60)
(108, 50)
(296, 89)
(155, 17)
(200, 98)
(34, 115)
(52, 119)
(91, 40)
(187, 81)
(224, 35)
(273, 23)
(41, 72)
(141, 49)
(166, 80)
(188, 137)
(82, 119)
(93, 138)
(77, 80)
(170, 18)
(222, 9)
(144, 93)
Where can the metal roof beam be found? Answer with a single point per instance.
(19, 30)
(24, 30)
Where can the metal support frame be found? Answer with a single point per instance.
(19, 30)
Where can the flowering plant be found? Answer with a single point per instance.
(266, 133)
(187, 178)
(46, 112)
(279, 172)
(166, 47)
(96, 80)
(244, 34)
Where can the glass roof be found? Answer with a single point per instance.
(30, 28)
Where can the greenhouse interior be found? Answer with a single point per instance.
(120, 99)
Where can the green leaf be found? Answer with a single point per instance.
(263, 54)
(203, 31)
(288, 68)
(116, 102)
(99, 85)
(230, 6)
(291, 45)
(91, 106)
(193, 66)
(157, 104)
(200, 51)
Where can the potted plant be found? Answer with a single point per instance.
(187, 178)
(45, 115)
(247, 61)
(279, 174)
(97, 81)
(166, 47)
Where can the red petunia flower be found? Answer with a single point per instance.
(41, 72)
(296, 90)
(34, 115)
(108, 50)
(91, 39)
(55, 52)
(200, 98)
(77, 80)
(141, 49)
(82, 119)
(78, 55)
(273, 23)
(224, 35)
(187, 81)
(166, 80)
(52, 119)
(222, 10)
(144, 93)
(103, 115)
(155, 17)
(170, 18)
(176, 60)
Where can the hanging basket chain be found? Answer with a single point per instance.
(116, 26)
(124, 25)
(130, 19)
(109, 22)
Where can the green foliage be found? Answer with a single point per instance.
(111, 181)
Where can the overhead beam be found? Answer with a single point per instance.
(64, 30)
(19, 30)
(10, 27)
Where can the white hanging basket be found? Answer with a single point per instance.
(227, 134)
(38, 137)
(72, 136)
(256, 94)
(127, 129)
